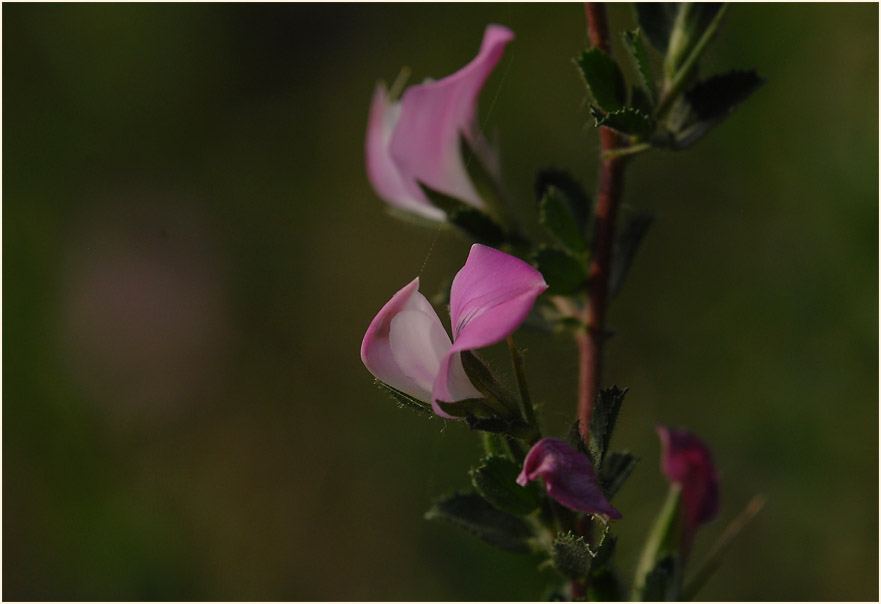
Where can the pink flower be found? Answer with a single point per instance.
(407, 348)
(418, 138)
(687, 462)
(569, 477)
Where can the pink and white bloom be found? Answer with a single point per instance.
(568, 475)
(687, 462)
(417, 139)
(407, 347)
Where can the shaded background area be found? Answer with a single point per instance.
(191, 255)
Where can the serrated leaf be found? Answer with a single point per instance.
(495, 480)
(615, 471)
(571, 191)
(628, 121)
(576, 441)
(711, 101)
(626, 245)
(471, 513)
(572, 556)
(633, 42)
(603, 77)
(656, 20)
(469, 219)
(563, 273)
(555, 216)
(405, 400)
(640, 101)
(605, 549)
(659, 581)
(602, 422)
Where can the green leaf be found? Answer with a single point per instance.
(711, 101)
(656, 20)
(628, 120)
(662, 542)
(659, 581)
(485, 382)
(602, 423)
(572, 556)
(633, 42)
(464, 408)
(605, 549)
(616, 469)
(575, 440)
(603, 78)
(471, 513)
(692, 21)
(563, 273)
(469, 219)
(640, 101)
(604, 586)
(572, 193)
(495, 480)
(626, 245)
(405, 400)
(555, 216)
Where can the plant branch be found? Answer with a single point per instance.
(590, 343)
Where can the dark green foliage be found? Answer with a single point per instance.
(603, 77)
(660, 581)
(615, 471)
(605, 586)
(405, 400)
(626, 244)
(571, 192)
(494, 479)
(633, 42)
(710, 101)
(602, 423)
(471, 513)
(563, 273)
(692, 21)
(640, 101)
(628, 121)
(472, 221)
(573, 437)
(656, 20)
(486, 383)
(572, 556)
(605, 550)
(556, 217)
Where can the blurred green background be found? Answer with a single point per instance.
(192, 253)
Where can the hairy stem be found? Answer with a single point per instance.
(590, 343)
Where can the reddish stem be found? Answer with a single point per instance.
(590, 344)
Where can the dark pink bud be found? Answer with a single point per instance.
(686, 461)
(568, 475)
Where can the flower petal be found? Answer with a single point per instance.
(404, 342)
(687, 461)
(425, 144)
(382, 172)
(489, 299)
(568, 476)
(491, 296)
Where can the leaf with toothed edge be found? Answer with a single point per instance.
(602, 423)
(603, 77)
(571, 191)
(473, 514)
(633, 42)
(563, 273)
(628, 121)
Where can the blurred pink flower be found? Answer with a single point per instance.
(686, 461)
(418, 137)
(407, 348)
(568, 475)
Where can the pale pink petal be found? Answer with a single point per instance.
(425, 144)
(382, 350)
(687, 462)
(382, 172)
(568, 476)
